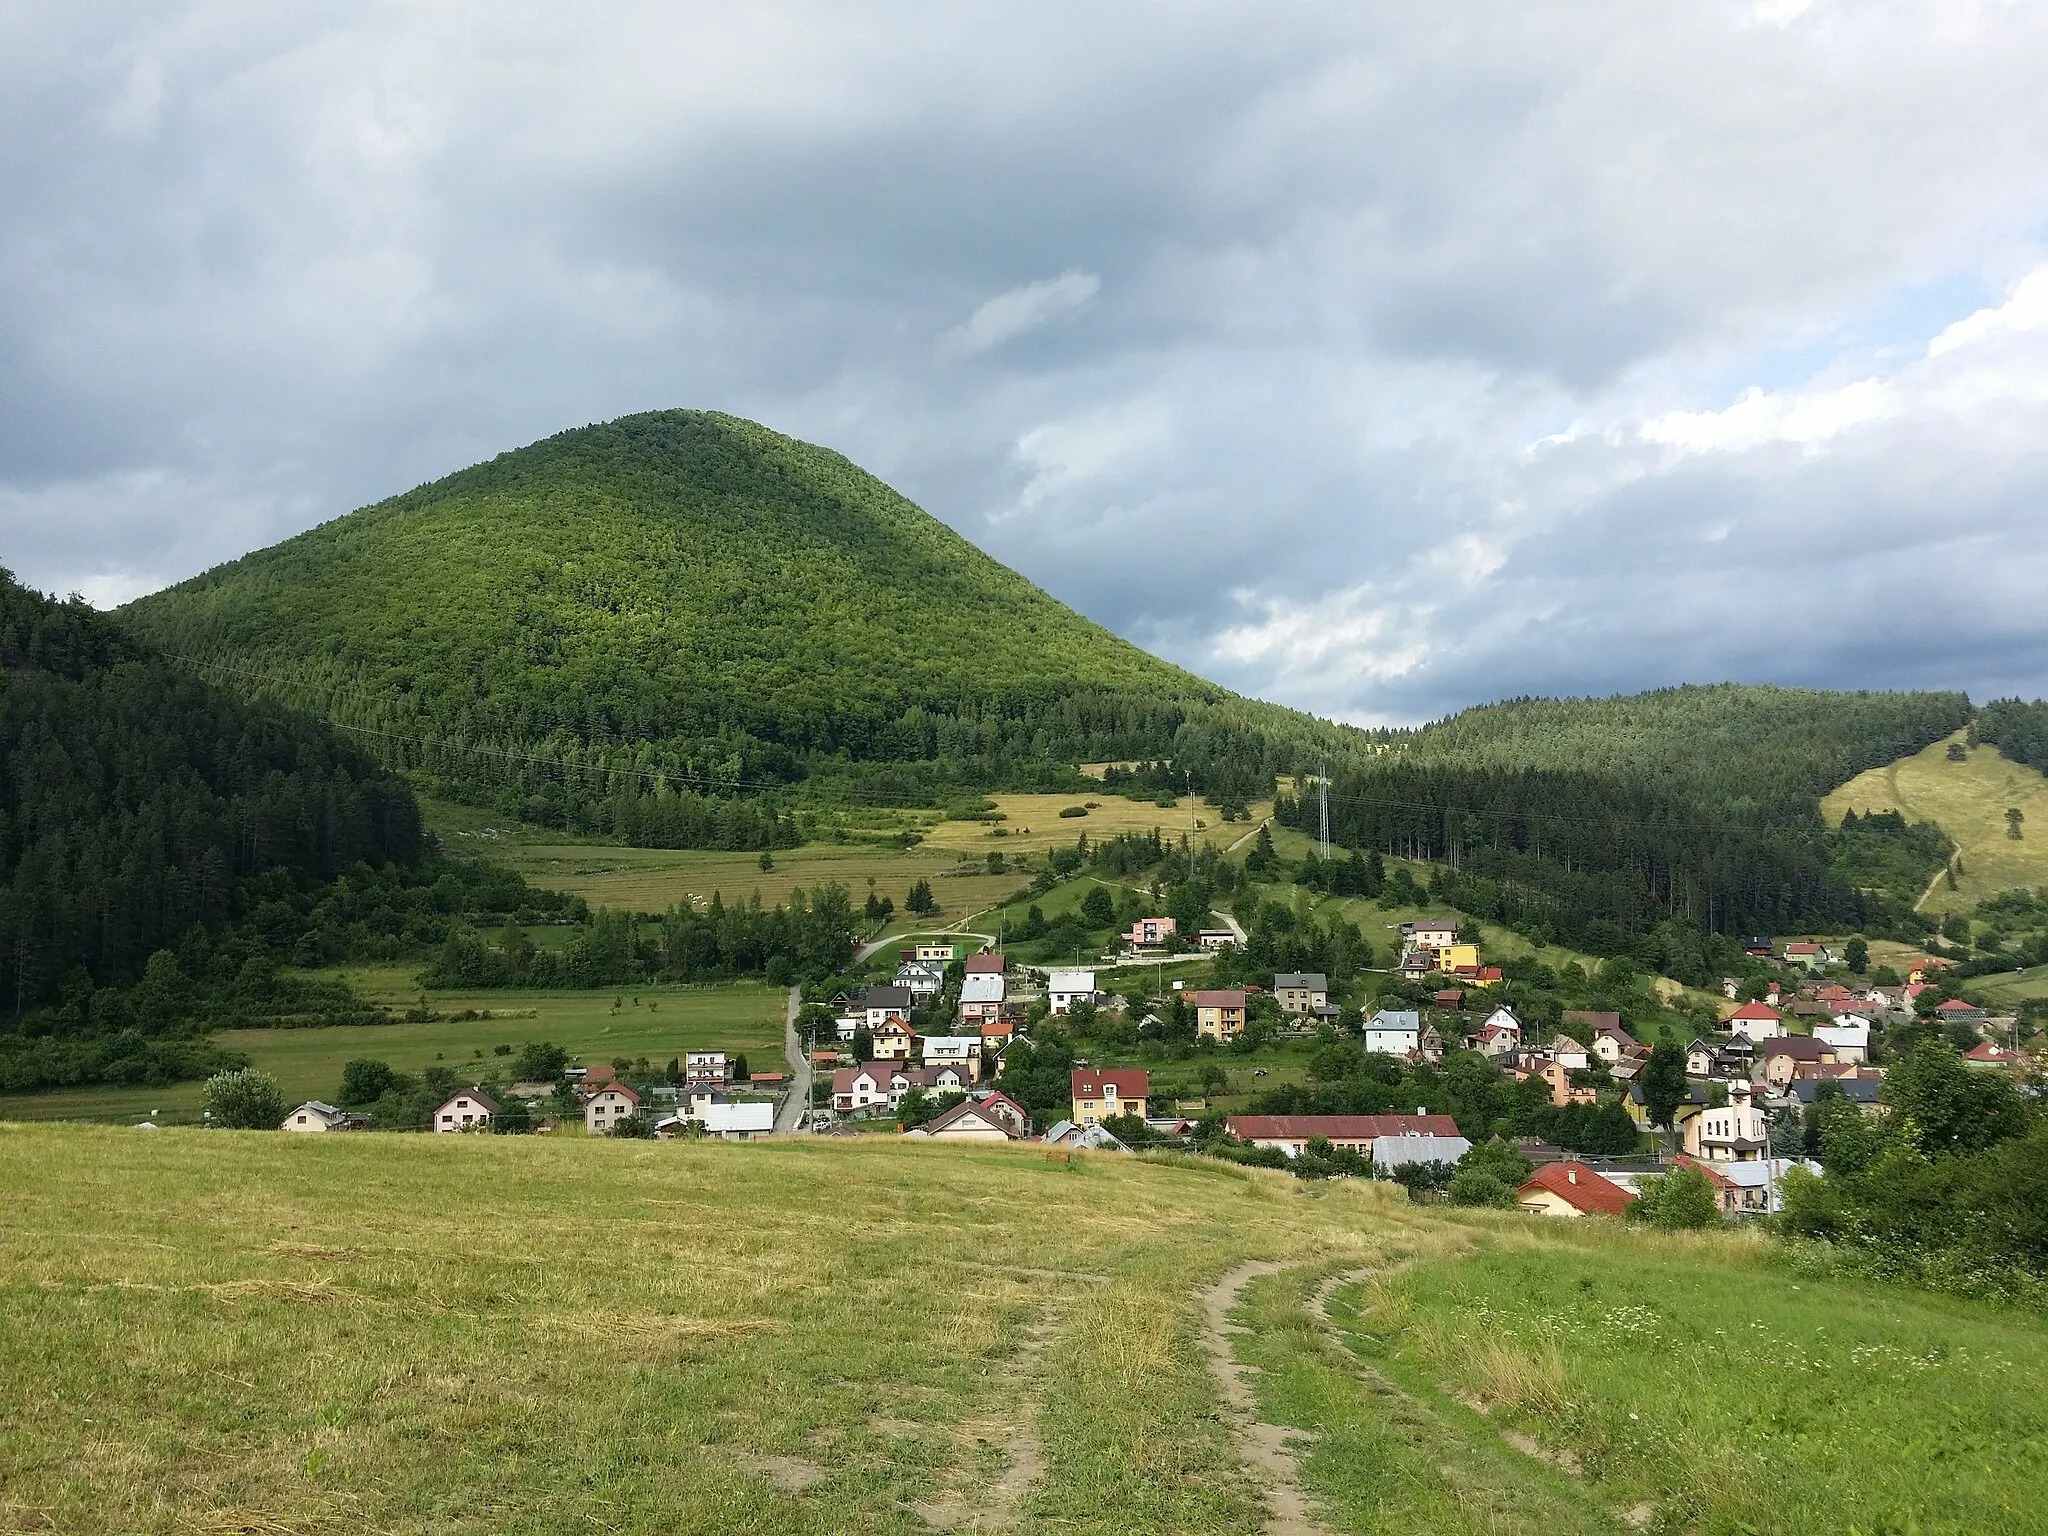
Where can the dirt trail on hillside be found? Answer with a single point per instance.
(1263, 1446)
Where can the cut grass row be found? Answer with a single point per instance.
(248, 1331)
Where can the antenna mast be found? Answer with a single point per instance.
(1323, 798)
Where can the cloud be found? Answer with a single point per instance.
(1009, 315)
(1448, 352)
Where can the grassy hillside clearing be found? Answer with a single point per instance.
(1032, 823)
(1967, 800)
(245, 1331)
(655, 1022)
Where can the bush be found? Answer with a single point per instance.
(1676, 1201)
(1069, 812)
(245, 1101)
(1475, 1187)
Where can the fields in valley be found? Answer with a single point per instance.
(237, 1331)
(655, 1022)
(1968, 801)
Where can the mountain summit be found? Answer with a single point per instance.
(681, 595)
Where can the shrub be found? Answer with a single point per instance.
(245, 1101)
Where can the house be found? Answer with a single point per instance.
(1219, 1016)
(995, 1118)
(962, 1051)
(1733, 1058)
(1986, 1054)
(1399, 1151)
(1496, 1043)
(1431, 1044)
(1215, 938)
(1063, 989)
(469, 1110)
(1353, 1133)
(1748, 1189)
(608, 1106)
(1091, 1138)
(985, 965)
(881, 1004)
(1502, 1017)
(1151, 932)
(939, 952)
(921, 978)
(1759, 1021)
(1694, 1102)
(1736, 1132)
(1777, 1061)
(865, 1087)
(1478, 975)
(1610, 1041)
(1394, 1031)
(711, 1068)
(1758, 947)
(1102, 1094)
(1810, 955)
(1955, 1010)
(949, 1078)
(981, 997)
(691, 1103)
(1430, 933)
(740, 1122)
(996, 1033)
(1562, 1090)
(1863, 1092)
(316, 1116)
(1699, 1059)
(1301, 991)
(1417, 963)
(892, 1040)
(1569, 1054)
(1450, 999)
(1570, 1188)
(1848, 1037)
(1456, 959)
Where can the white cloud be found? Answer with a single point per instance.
(1009, 315)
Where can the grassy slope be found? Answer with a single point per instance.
(412, 1333)
(744, 1016)
(1968, 801)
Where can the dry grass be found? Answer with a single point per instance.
(1034, 823)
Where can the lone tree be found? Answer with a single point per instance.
(2013, 817)
(245, 1100)
(1856, 955)
(920, 899)
(1664, 1083)
(1099, 907)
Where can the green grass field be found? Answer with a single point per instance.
(1968, 801)
(655, 1022)
(255, 1332)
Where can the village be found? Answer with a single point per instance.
(1748, 1086)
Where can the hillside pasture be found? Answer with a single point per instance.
(1967, 800)
(655, 1022)
(1033, 823)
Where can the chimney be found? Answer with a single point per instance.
(1571, 1175)
(1420, 1110)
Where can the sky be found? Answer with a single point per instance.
(1377, 359)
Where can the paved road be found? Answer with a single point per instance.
(789, 1115)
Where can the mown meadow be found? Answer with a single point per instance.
(248, 1331)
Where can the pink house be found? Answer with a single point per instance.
(469, 1110)
(1151, 932)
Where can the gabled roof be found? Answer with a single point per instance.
(1757, 1011)
(1129, 1082)
(1957, 1005)
(1313, 981)
(1395, 1018)
(983, 987)
(1798, 1047)
(1070, 981)
(984, 965)
(968, 1110)
(620, 1089)
(1594, 1017)
(885, 997)
(1580, 1187)
(484, 1100)
(1984, 1050)
(1229, 998)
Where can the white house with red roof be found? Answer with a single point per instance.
(1986, 1054)
(1570, 1188)
(1759, 1021)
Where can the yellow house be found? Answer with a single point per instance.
(1219, 1016)
(1101, 1094)
(1453, 957)
(893, 1041)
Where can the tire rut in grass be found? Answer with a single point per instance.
(1263, 1446)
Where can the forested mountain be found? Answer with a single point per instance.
(625, 626)
(2018, 729)
(1585, 819)
(144, 812)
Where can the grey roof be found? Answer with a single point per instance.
(1395, 1018)
(982, 987)
(1857, 1090)
(1397, 1151)
(1314, 981)
(885, 997)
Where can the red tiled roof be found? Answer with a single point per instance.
(619, 1088)
(1957, 1005)
(1337, 1127)
(1581, 1188)
(1130, 1082)
(1754, 1011)
(985, 965)
(1984, 1050)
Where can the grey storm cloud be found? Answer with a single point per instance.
(1379, 359)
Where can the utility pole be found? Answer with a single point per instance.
(1191, 827)
(1323, 799)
